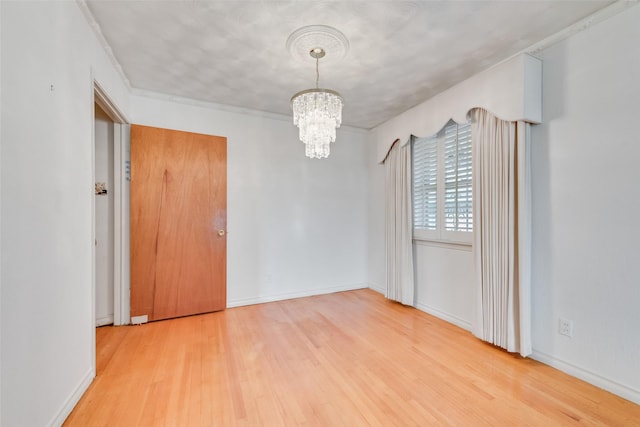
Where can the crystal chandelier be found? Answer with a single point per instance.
(317, 113)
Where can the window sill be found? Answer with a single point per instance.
(460, 246)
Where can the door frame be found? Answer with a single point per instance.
(121, 165)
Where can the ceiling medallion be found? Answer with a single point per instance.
(304, 39)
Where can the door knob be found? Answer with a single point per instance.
(221, 233)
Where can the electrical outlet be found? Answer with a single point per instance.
(565, 327)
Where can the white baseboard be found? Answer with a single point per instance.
(377, 288)
(281, 297)
(433, 311)
(614, 387)
(73, 399)
(444, 316)
(108, 320)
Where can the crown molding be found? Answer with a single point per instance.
(224, 107)
(82, 4)
(582, 25)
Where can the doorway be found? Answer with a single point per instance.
(110, 213)
(104, 214)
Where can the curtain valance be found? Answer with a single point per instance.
(512, 91)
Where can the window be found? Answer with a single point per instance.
(442, 196)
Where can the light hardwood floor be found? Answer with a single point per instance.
(343, 359)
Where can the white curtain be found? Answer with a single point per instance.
(398, 223)
(502, 231)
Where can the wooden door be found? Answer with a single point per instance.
(178, 222)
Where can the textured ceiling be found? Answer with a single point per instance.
(401, 52)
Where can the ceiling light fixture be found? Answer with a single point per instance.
(317, 113)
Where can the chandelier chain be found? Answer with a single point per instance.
(317, 72)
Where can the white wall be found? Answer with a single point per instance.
(47, 196)
(444, 281)
(104, 203)
(296, 226)
(586, 205)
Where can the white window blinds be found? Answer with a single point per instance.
(457, 177)
(425, 183)
(442, 185)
